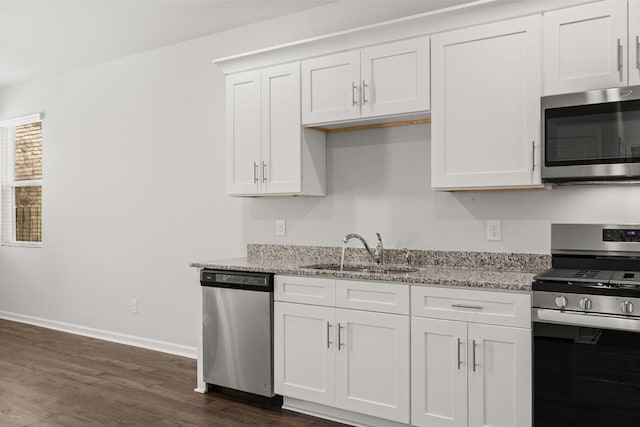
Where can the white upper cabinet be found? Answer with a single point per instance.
(395, 78)
(486, 87)
(382, 80)
(268, 153)
(330, 87)
(585, 47)
(281, 148)
(634, 43)
(243, 132)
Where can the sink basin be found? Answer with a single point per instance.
(360, 268)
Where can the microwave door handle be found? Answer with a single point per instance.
(638, 52)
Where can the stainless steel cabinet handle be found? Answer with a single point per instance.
(255, 172)
(474, 355)
(364, 92)
(354, 102)
(620, 58)
(329, 342)
(340, 344)
(533, 155)
(473, 307)
(459, 361)
(638, 52)
(264, 172)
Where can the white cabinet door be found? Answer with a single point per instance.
(243, 132)
(499, 376)
(439, 373)
(281, 164)
(486, 86)
(634, 43)
(330, 88)
(372, 364)
(585, 47)
(304, 358)
(395, 77)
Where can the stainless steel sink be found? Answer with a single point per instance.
(361, 268)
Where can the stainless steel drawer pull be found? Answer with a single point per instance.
(474, 355)
(329, 342)
(471, 307)
(255, 172)
(340, 344)
(264, 172)
(459, 362)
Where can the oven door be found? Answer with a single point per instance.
(586, 370)
(592, 135)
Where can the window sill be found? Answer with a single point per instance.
(23, 244)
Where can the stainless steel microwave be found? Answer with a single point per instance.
(591, 136)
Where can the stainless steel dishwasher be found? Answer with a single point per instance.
(238, 330)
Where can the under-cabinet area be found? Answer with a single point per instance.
(392, 354)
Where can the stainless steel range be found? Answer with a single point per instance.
(586, 313)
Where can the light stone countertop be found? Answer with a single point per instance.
(501, 271)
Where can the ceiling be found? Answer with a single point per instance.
(43, 37)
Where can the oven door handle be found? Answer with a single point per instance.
(588, 320)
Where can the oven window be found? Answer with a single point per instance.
(593, 134)
(585, 377)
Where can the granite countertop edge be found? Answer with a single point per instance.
(425, 276)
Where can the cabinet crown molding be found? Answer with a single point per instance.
(428, 23)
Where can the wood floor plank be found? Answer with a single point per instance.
(50, 378)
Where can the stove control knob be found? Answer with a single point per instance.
(626, 307)
(561, 301)
(585, 303)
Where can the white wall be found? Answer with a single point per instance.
(133, 187)
(379, 181)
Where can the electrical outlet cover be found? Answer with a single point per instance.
(494, 230)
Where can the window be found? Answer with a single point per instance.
(21, 180)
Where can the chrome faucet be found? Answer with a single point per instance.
(376, 255)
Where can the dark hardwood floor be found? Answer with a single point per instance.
(51, 378)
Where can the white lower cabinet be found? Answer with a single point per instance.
(304, 358)
(500, 393)
(377, 362)
(372, 364)
(469, 374)
(439, 373)
(349, 359)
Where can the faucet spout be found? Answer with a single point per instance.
(376, 255)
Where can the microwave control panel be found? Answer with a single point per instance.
(620, 235)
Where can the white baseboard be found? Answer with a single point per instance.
(337, 414)
(162, 346)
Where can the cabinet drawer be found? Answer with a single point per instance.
(373, 296)
(305, 290)
(479, 306)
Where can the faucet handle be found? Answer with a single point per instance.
(407, 256)
(379, 238)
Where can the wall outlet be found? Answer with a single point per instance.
(134, 306)
(494, 229)
(281, 227)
